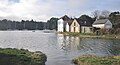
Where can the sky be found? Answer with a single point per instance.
(43, 10)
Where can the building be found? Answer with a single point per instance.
(102, 24)
(75, 26)
(81, 26)
(63, 25)
(66, 24)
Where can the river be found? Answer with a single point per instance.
(60, 49)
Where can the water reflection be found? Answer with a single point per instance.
(101, 47)
(68, 43)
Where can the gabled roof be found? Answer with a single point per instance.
(101, 21)
(65, 18)
(70, 21)
(83, 22)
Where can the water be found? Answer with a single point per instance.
(60, 50)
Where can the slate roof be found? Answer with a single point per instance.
(80, 22)
(70, 21)
(83, 22)
(101, 21)
(65, 18)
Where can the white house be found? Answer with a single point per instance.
(60, 25)
(102, 23)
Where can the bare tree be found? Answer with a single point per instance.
(96, 14)
(105, 13)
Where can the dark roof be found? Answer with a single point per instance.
(80, 22)
(101, 21)
(83, 22)
(65, 18)
(70, 21)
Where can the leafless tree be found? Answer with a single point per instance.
(96, 14)
(105, 13)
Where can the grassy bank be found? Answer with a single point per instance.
(14, 56)
(97, 60)
(92, 35)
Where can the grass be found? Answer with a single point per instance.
(92, 35)
(14, 56)
(78, 34)
(97, 60)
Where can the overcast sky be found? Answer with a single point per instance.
(42, 10)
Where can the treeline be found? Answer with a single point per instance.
(51, 24)
(21, 25)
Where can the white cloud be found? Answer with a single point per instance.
(45, 9)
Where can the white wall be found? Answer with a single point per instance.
(67, 27)
(108, 25)
(99, 25)
(85, 29)
(60, 25)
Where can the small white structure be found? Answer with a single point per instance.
(103, 23)
(67, 27)
(60, 25)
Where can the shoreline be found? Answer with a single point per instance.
(90, 35)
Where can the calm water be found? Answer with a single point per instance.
(59, 49)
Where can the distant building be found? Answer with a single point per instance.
(102, 24)
(66, 24)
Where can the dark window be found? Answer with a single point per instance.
(74, 24)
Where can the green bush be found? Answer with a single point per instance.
(14, 56)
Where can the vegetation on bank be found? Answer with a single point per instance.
(97, 60)
(93, 35)
(14, 56)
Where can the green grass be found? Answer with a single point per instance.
(72, 33)
(97, 60)
(14, 56)
(92, 35)
(78, 34)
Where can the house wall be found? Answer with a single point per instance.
(60, 25)
(85, 29)
(75, 27)
(108, 25)
(99, 25)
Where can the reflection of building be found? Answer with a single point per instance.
(68, 43)
(65, 43)
(75, 42)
